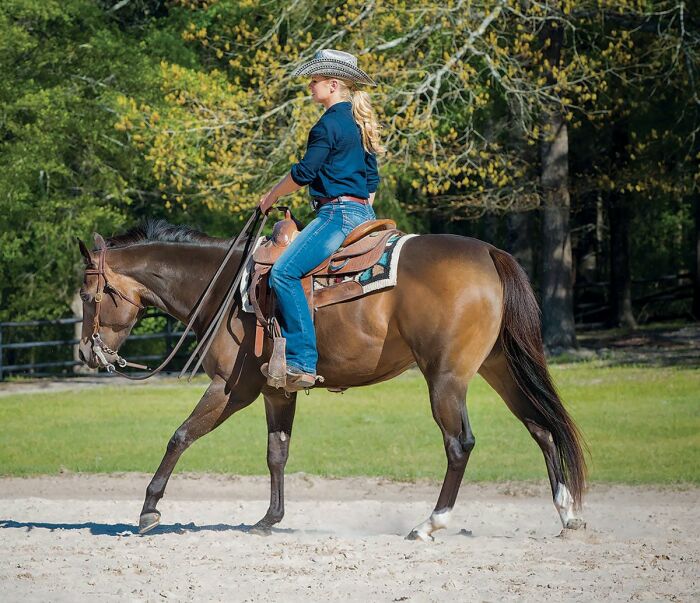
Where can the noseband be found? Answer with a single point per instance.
(99, 347)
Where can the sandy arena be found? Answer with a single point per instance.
(73, 538)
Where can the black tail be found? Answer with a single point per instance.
(521, 338)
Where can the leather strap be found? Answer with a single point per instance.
(248, 230)
(255, 280)
(210, 334)
(102, 286)
(319, 202)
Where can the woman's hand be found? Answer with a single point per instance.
(267, 201)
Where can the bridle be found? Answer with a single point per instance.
(250, 233)
(99, 347)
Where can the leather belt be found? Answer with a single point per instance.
(319, 202)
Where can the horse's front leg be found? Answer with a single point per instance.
(217, 405)
(279, 410)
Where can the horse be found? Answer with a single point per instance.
(460, 307)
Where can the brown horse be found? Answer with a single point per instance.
(460, 307)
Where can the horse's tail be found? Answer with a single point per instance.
(521, 339)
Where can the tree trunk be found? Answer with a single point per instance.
(490, 229)
(696, 284)
(619, 211)
(519, 240)
(599, 234)
(557, 267)
(557, 274)
(620, 274)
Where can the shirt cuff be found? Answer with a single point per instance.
(295, 176)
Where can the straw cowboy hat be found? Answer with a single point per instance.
(334, 63)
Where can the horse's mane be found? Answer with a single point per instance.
(160, 231)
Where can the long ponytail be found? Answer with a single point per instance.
(366, 118)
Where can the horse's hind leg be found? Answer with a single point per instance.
(563, 500)
(495, 371)
(279, 411)
(448, 403)
(214, 408)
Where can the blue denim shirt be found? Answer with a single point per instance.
(335, 162)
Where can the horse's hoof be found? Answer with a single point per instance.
(416, 535)
(261, 530)
(148, 521)
(575, 523)
(263, 527)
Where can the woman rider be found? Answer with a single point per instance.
(340, 168)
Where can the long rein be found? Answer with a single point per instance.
(252, 230)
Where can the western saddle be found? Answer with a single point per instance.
(361, 249)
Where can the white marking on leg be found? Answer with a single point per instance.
(564, 503)
(436, 521)
(441, 520)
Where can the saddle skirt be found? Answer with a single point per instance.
(334, 280)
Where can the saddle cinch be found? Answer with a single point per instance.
(361, 249)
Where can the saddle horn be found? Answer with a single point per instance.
(288, 215)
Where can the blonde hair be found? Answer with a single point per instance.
(365, 117)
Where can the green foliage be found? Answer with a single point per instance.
(63, 174)
(185, 109)
(626, 415)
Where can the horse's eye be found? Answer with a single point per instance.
(84, 296)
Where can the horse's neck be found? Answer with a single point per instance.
(176, 275)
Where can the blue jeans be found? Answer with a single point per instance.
(313, 245)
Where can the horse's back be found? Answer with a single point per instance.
(447, 256)
(449, 283)
(448, 295)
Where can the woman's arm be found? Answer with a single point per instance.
(372, 175)
(317, 148)
(283, 187)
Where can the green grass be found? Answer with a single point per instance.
(642, 425)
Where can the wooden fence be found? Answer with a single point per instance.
(41, 347)
(663, 298)
(22, 353)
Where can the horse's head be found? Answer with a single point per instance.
(112, 303)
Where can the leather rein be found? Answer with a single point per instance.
(107, 357)
(99, 347)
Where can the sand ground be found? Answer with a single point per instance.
(73, 538)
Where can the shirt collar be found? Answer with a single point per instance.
(339, 106)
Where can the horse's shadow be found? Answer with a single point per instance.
(125, 529)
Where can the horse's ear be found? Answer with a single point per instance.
(99, 241)
(85, 253)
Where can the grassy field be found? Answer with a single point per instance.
(642, 425)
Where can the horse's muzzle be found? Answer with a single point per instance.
(86, 355)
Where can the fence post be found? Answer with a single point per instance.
(61, 346)
(76, 306)
(168, 335)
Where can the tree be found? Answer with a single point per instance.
(63, 173)
(185, 109)
(557, 275)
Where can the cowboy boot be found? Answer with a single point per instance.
(296, 379)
